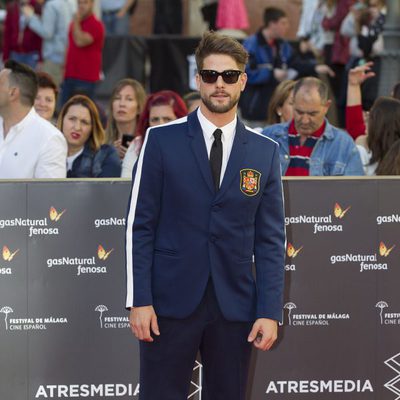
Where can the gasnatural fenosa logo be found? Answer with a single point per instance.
(83, 265)
(291, 253)
(36, 227)
(324, 223)
(383, 250)
(103, 254)
(7, 256)
(55, 215)
(367, 262)
(338, 212)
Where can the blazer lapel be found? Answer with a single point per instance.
(199, 149)
(235, 158)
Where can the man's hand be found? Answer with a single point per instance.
(28, 11)
(360, 74)
(264, 333)
(141, 320)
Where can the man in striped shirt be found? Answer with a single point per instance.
(309, 144)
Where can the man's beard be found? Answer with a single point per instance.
(220, 108)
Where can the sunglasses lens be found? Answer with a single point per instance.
(209, 76)
(230, 76)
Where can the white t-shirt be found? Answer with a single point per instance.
(71, 159)
(365, 155)
(33, 148)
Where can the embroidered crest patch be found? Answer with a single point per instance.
(250, 181)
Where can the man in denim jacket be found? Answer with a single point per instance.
(310, 145)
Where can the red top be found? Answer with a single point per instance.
(28, 42)
(300, 154)
(85, 62)
(355, 122)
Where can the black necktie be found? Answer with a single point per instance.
(216, 158)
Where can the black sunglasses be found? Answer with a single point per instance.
(229, 76)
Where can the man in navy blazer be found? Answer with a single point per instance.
(206, 203)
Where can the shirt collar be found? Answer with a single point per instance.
(208, 127)
(17, 128)
(318, 133)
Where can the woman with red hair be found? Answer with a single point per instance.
(160, 108)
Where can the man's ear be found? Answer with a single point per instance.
(243, 81)
(328, 104)
(14, 93)
(198, 81)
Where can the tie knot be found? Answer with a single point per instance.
(217, 134)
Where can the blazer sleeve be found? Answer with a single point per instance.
(142, 221)
(270, 241)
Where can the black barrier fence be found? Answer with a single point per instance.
(64, 332)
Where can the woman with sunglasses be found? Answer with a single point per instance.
(160, 108)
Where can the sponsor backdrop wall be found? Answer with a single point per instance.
(64, 332)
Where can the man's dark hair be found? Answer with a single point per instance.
(310, 83)
(25, 79)
(215, 43)
(273, 14)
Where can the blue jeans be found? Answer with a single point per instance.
(115, 25)
(70, 87)
(31, 59)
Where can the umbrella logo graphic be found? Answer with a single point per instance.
(101, 308)
(383, 250)
(381, 304)
(8, 255)
(290, 306)
(102, 253)
(55, 215)
(291, 251)
(339, 212)
(6, 310)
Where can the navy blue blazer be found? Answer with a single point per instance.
(180, 231)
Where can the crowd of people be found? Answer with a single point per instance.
(318, 101)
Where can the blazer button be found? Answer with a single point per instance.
(216, 207)
(213, 238)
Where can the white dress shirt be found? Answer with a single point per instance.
(33, 148)
(228, 134)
